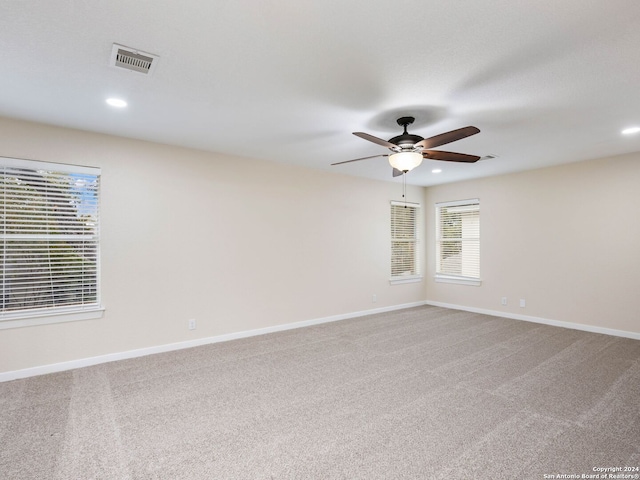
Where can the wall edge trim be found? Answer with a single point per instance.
(141, 352)
(546, 321)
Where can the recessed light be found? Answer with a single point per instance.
(436, 170)
(116, 102)
(629, 131)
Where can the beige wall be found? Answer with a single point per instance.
(566, 239)
(240, 244)
(234, 243)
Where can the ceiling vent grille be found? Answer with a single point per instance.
(133, 60)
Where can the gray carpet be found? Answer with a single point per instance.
(423, 393)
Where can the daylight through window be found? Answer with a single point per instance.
(404, 241)
(49, 249)
(458, 239)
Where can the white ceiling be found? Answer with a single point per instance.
(546, 81)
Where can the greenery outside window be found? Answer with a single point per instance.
(49, 242)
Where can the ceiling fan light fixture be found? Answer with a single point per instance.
(405, 161)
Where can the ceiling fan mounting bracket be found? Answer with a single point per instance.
(404, 121)
(406, 141)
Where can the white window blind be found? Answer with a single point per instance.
(404, 239)
(49, 249)
(458, 239)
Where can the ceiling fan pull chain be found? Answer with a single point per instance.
(404, 188)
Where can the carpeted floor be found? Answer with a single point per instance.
(423, 393)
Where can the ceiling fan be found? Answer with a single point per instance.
(408, 150)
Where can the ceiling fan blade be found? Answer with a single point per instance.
(397, 173)
(373, 139)
(449, 156)
(443, 138)
(358, 159)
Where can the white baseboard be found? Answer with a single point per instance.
(112, 357)
(546, 321)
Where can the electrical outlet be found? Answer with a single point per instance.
(503, 301)
(374, 299)
(192, 324)
(523, 303)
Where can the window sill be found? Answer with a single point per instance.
(45, 318)
(406, 279)
(475, 282)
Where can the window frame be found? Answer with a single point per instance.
(448, 277)
(53, 314)
(417, 276)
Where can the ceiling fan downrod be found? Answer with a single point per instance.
(406, 141)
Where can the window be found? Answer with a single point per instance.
(404, 242)
(458, 242)
(49, 249)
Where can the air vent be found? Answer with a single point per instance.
(133, 60)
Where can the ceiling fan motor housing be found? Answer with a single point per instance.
(406, 141)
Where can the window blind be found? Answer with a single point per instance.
(404, 239)
(458, 238)
(49, 249)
